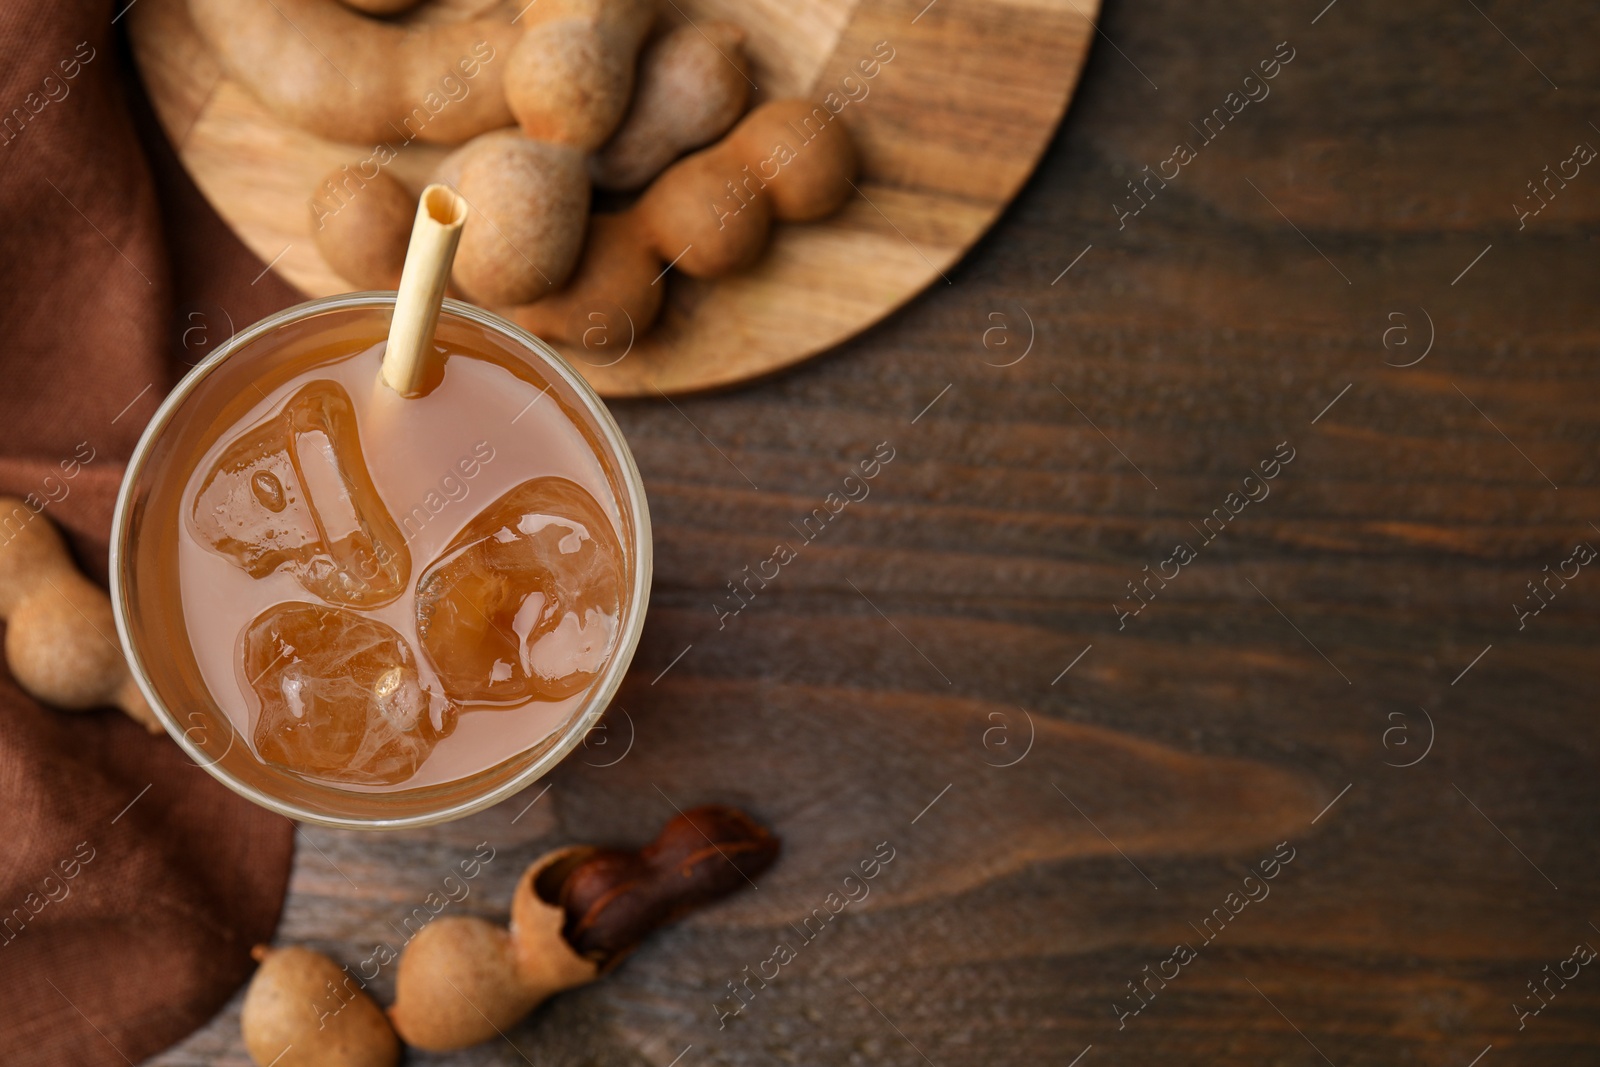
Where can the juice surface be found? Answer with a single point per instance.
(299, 567)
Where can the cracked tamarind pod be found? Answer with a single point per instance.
(575, 914)
(60, 634)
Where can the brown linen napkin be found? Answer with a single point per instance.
(133, 884)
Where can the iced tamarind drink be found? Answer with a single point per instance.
(374, 610)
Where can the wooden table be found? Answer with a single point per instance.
(1340, 667)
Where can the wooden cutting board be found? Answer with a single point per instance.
(948, 131)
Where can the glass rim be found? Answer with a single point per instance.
(601, 693)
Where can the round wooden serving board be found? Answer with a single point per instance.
(948, 129)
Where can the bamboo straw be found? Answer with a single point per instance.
(434, 237)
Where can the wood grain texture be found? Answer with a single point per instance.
(949, 127)
(1287, 668)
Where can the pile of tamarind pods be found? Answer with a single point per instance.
(572, 95)
(575, 914)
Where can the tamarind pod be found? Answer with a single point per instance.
(30, 547)
(570, 79)
(348, 77)
(61, 637)
(613, 296)
(529, 203)
(693, 84)
(304, 1010)
(708, 214)
(803, 154)
(457, 985)
(700, 221)
(60, 644)
(364, 234)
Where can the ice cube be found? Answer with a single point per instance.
(293, 492)
(340, 697)
(524, 603)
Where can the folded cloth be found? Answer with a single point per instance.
(133, 884)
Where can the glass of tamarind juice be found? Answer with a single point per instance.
(376, 611)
